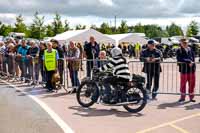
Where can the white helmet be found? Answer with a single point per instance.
(116, 52)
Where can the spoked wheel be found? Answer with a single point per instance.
(137, 99)
(87, 94)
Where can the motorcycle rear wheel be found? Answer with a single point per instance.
(87, 89)
(141, 101)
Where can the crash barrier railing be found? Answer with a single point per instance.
(169, 80)
(14, 68)
(169, 75)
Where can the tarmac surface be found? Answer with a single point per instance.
(20, 114)
(25, 109)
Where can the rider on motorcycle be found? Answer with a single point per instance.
(121, 73)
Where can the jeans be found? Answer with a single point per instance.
(89, 66)
(34, 71)
(5, 64)
(74, 78)
(25, 69)
(61, 70)
(150, 77)
(42, 70)
(11, 65)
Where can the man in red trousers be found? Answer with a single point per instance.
(187, 69)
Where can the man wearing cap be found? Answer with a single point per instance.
(151, 58)
(187, 69)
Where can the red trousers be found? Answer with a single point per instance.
(191, 79)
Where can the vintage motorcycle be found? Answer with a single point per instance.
(132, 95)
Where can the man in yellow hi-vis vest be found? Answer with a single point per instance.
(137, 50)
(50, 62)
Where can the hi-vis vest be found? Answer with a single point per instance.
(50, 60)
(137, 46)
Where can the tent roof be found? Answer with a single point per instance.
(129, 37)
(118, 37)
(82, 36)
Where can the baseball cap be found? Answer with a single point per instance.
(151, 42)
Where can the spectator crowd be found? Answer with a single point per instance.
(27, 60)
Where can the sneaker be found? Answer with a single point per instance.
(154, 99)
(181, 100)
(21, 79)
(73, 91)
(27, 81)
(192, 100)
(50, 91)
(33, 83)
(147, 96)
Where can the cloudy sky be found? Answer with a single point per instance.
(89, 12)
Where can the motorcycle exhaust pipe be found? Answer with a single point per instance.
(120, 104)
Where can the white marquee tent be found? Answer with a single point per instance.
(128, 38)
(82, 36)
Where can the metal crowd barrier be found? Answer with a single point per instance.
(169, 82)
(11, 70)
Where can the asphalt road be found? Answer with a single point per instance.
(20, 114)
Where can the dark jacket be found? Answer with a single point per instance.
(60, 52)
(90, 50)
(33, 51)
(184, 59)
(151, 67)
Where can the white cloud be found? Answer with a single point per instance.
(107, 2)
(7, 18)
(96, 11)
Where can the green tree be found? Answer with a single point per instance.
(174, 30)
(152, 31)
(80, 27)
(37, 29)
(20, 25)
(93, 26)
(139, 28)
(66, 27)
(123, 28)
(5, 29)
(105, 28)
(189, 32)
(57, 25)
(49, 31)
(164, 33)
(193, 28)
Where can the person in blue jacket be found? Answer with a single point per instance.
(24, 62)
